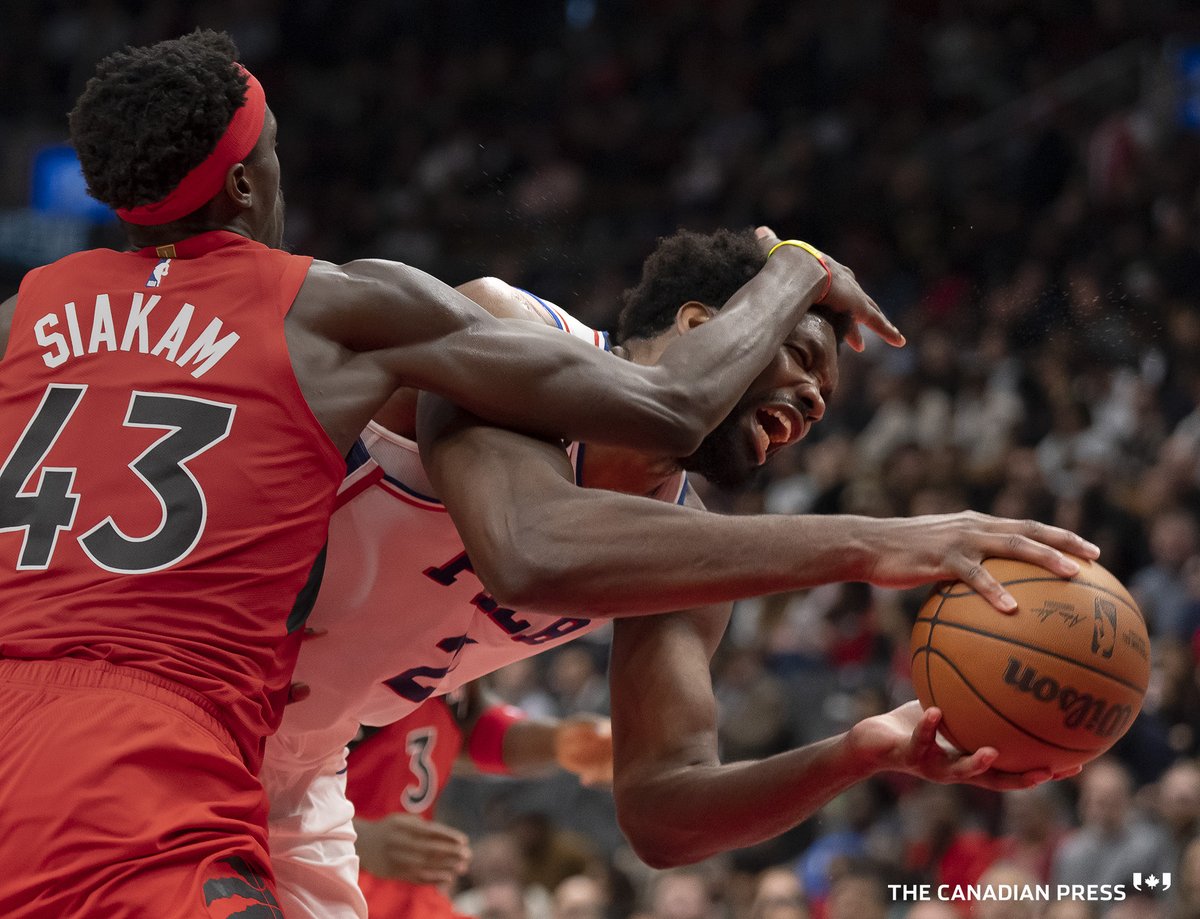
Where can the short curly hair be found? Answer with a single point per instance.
(150, 115)
(687, 266)
(706, 267)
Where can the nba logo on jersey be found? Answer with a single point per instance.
(159, 272)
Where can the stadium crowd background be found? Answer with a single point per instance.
(1017, 183)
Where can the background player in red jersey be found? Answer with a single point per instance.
(147, 638)
(398, 772)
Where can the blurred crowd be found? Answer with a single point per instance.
(1017, 183)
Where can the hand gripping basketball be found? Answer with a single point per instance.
(1051, 686)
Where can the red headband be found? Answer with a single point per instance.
(200, 185)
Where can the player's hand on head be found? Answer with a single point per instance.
(906, 740)
(919, 550)
(844, 295)
(583, 745)
(404, 847)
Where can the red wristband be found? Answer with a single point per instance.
(815, 253)
(486, 746)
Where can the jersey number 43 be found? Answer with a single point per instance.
(192, 426)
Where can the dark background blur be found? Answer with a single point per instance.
(1015, 182)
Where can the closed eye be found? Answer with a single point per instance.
(801, 356)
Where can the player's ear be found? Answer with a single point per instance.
(239, 186)
(692, 314)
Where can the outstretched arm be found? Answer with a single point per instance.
(539, 542)
(397, 327)
(677, 803)
(503, 739)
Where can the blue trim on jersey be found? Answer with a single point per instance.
(579, 465)
(358, 456)
(605, 342)
(545, 306)
(409, 490)
(683, 492)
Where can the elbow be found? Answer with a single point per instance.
(657, 844)
(660, 857)
(682, 420)
(521, 583)
(657, 831)
(685, 439)
(521, 569)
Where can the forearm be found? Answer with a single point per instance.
(669, 406)
(581, 744)
(529, 747)
(616, 555)
(690, 812)
(676, 802)
(534, 379)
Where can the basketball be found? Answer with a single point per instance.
(1052, 685)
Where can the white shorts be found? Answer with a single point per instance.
(311, 838)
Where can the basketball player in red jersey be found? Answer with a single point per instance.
(397, 774)
(174, 420)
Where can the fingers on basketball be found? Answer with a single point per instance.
(1051, 686)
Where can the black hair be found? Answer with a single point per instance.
(708, 268)
(150, 115)
(687, 266)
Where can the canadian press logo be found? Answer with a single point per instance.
(1147, 884)
(1152, 882)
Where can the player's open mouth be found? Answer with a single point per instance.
(775, 426)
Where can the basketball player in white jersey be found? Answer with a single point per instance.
(490, 546)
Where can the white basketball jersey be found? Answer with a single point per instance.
(401, 615)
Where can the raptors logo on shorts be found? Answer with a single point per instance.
(240, 893)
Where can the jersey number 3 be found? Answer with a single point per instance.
(192, 426)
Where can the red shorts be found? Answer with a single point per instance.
(122, 795)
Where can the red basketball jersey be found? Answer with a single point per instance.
(165, 489)
(404, 767)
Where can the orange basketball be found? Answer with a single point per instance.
(1052, 685)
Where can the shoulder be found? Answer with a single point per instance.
(361, 303)
(488, 288)
(504, 301)
(353, 279)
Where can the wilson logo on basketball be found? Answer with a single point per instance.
(1080, 709)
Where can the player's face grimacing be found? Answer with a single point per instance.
(778, 409)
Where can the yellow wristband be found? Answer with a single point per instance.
(799, 244)
(815, 253)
